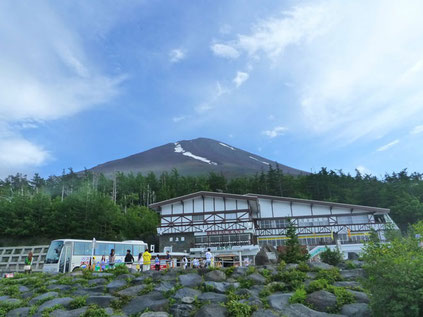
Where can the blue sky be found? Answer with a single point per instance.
(306, 83)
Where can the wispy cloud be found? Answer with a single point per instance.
(176, 55)
(276, 131)
(363, 170)
(417, 129)
(240, 78)
(178, 118)
(388, 146)
(225, 51)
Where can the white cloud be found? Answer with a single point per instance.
(417, 129)
(45, 75)
(363, 170)
(276, 131)
(179, 118)
(356, 67)
(388, 146)
(224, 50)
(176, 55)
(216, 94)
(240, 78)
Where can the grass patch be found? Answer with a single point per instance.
(79, 302)
(299, 296)
(95, 311)
(237, 309)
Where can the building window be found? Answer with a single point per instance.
(379, 219)
(171, 239)
(266, 224)
(198, 217)
(182, 238)
(281, 223)
(176, 239)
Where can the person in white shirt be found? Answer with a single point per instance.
(208, 258)
(195, 263)
(185, 262)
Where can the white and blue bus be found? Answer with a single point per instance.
(67, 255)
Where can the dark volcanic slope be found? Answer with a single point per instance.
(194, 157)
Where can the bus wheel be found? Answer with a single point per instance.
(75, 269)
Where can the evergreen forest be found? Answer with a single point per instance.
(86, 205)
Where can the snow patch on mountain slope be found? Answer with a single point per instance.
(179, 149)
(225, 145)
(258, 160)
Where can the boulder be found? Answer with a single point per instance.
(311, 275)
(97, 281)
(59, 287)
(279, 301)
(264, 313)
(69, 313)
(211, 310)
(64, 301)
(321, 300)
(356, 310)
(115, 285)
(291, 266)
(153, 301)
(43, 297)
(267, 255)
(320, 266)
(187, 300)
(8, 300)
(360, 297)
(252, 301)
(242, 270)
(212, 297)
(221, 287)
(186, 292)
(132, 291)
(102, 301)
(190, 280)
(181, 310)
(102, 274)
(215, 276)
(125, 277)
(352, 274)
(155, 314)
(300, 310)
(350, 284)
(19, 312)
(140, 279)
(164, 286)
(257, 278)
(23, 289)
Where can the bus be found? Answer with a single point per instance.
(67, 255)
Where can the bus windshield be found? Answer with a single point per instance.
(53, 253)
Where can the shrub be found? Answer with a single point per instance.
(78, 302)
(237, 309)
(281, 265)
(118, 270)
(229, 271)
(299, 296)
(303, 267)
(245, 283)
(330, 275)
(332, 257)
(293, 252)
(293, 279)
(12, 290)
(343, 297)
(95, 311)
(317, 285)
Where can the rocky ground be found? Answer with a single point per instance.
(274, 290)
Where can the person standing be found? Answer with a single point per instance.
(140, 262)
(129, 259)
(112, 258)
(168, 259)
(103, 263)
(157, 263)
(208, 258)
(28, 263)
(146, 256)
(185, 262)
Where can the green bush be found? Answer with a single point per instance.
(330, 275)
(95, 311)
(299, 296)
(317, 285)
(251, 269)
(293, 279)
(293, 251)
(78, 302)
(332, 257)
(229, 271)
(237, 309)
(350, 265)
(281, 265)
(245, 283)
(303, 267)
(343, 297)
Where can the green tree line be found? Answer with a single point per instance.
(86, 205)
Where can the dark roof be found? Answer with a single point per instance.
(255, 196)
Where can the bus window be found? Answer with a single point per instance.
(53, 253)
(120, 249)
(82, 248)
(138, 248)
(103, 248)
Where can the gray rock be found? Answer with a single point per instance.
(181, 310)
(27, 295)
(262, 257)
(257, 278)
(221, 287)
(69, 313)
(321, 300)
(311, 275)
(19, 312)
(155, 314)
(215, 276)
(140, 279)
(291, 266)
(351, 284)
(115, 285)
(154, 302)
(42, 297)
(102, 301)
(77, 273)
(356, 310)
(299, 310)
(186, 292)
(360, 297)
(211, 310)
(59, 287)
(132, 291)
(212, 297)
(102, 274)
(320, 266)
(242, 270)
(256, 289)
(187, 300)
(352, 274)
(97, 281)
(252, 301)
(190, 280)
(264, 313)
(164, 286)
(279, 301)
(23, 289)
(64, 301)
(125, 277)
(8, 300)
